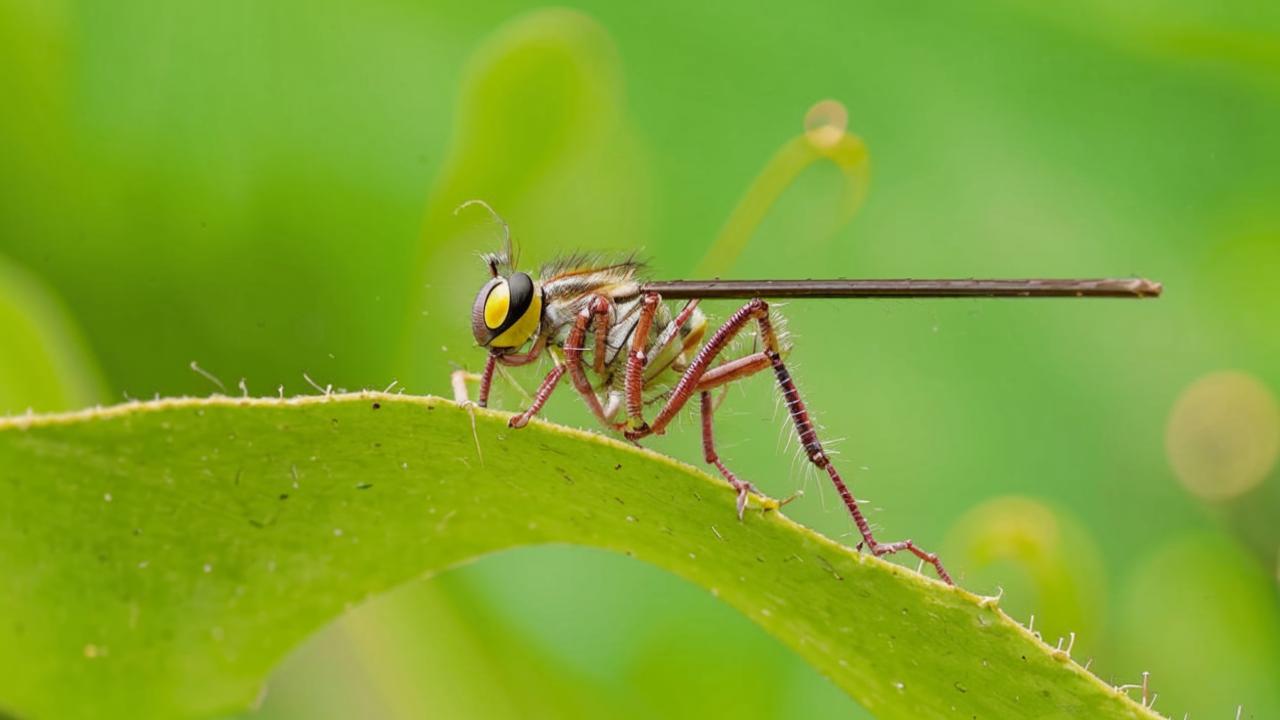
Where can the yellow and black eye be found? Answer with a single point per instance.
(507, 311)
(496, 306)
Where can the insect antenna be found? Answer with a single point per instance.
(505, 261)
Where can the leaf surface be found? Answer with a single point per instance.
(160, 558)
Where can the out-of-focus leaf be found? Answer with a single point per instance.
(44, 364)
(1200, 617)
(429, 649)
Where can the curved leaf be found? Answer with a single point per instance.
(161, 557)
(44, 363)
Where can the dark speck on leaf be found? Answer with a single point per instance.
(961, 687)
(377, 406)
(618, 466)
(826, 565)
(284, 496)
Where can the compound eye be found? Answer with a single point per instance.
(520, 287)
(497, 305)
(507, 312)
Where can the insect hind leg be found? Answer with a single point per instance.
(699, 376)
(813, 449)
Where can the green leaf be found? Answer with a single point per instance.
(44, 364)
(161, 558)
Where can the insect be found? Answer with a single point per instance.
(624, 348)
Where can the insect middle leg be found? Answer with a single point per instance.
(638, 361)
(597, 307)
(700, 372)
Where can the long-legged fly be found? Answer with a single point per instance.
(585, 310)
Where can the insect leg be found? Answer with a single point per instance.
(638, 361)
(634, 379)
(600, 328)
(698, 371)
(709, 454)
(738, 369)
(539, 398)
(813, 449)
(573, 347)
(516, 360)
(688, 382)
(459, 379)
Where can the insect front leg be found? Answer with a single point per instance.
(460, 378)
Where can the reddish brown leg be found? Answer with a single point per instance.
(514, 360)
(688, 382)
(698, 371)
(573, 347)
(634, 379)
(743, 488)
(459, 380)
(638, 361)
(486, 381)
(539, 398)
(726, 373)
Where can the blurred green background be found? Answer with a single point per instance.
(267, 189)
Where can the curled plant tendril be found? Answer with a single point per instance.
(824, 138)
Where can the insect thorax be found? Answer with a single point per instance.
(626, 304)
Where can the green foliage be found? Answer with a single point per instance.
(164, 556)
(43, 364)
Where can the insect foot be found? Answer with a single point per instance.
(881, 549)
(635, 431)
(743, 489)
